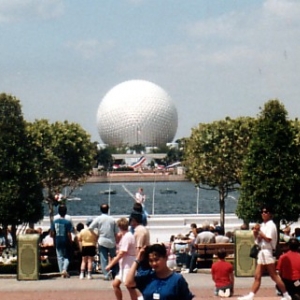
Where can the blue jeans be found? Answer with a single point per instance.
(105, 253)
(63, 258)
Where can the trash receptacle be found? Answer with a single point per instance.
(244, 264)
(28, 265)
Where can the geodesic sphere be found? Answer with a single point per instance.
(137, 112)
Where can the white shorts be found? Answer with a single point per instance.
(122, 274)
(265, 257)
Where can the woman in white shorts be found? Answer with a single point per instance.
(266, 237)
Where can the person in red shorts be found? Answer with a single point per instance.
(288, 267)
(222, 275)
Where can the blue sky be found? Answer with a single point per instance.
(215, 58)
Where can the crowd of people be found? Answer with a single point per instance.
(126, 256)
(185, 246)
(285, 272)
(150, 270)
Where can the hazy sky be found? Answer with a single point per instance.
(215, 58)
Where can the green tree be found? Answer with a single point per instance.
(213, 155)
(175, 154)
(104, 158)
(20, 191)
(271, 172)
(65, 156)
(139, 148)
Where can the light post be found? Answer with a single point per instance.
(198, 192)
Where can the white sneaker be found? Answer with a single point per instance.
(89, 276)
(288, 297)
(247, 297)
(81, 276)
(227, 293)
(221, 293)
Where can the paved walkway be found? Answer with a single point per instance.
(57, 288)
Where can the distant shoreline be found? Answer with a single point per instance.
(135, 177)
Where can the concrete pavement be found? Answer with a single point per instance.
(57, 288)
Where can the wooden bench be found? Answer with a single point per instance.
(48, 254)
(207, 253)
(212, 249)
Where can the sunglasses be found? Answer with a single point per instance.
(264, 211)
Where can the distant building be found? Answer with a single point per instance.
(172, 145)
(101, 146)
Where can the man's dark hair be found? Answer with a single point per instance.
(138, 207)
(104, 208)
(79, 227)
(193, 225)
(221, 253)
(159, 249)
(220, 230)
(293, 244)
(62, 210)
(267, 207)
(138, 217)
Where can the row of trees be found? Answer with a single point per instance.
(38, 160)
(259, 157)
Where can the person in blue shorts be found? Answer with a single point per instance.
(159, 282)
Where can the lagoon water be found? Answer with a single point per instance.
(188, 199)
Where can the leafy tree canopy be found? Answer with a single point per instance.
(65, 156)
(213, 155)
(20, 190)
(105, 158)
(271, 174)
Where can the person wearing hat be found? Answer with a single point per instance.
(87, 240)
(288, 267)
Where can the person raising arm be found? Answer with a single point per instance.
(159, 282)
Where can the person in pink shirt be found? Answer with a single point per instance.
(125, 257)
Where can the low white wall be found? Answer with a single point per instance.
(163, 226)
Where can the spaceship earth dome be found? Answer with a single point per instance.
(137, 112)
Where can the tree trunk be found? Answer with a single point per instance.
(14, 235)
(51, 211)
